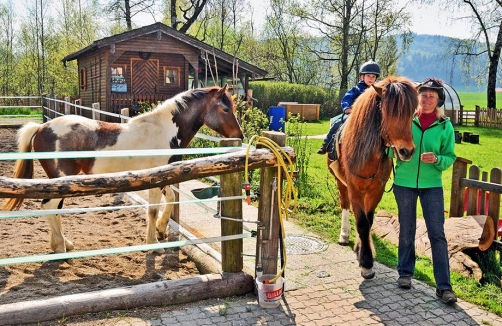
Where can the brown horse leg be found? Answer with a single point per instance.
(166, 215)
(345, 204)
(58, 242)
(364, 247)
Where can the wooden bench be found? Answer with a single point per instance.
(307, 112)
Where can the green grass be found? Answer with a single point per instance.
(313, 128)
(20, 111)
(320, 212)
(470, 99)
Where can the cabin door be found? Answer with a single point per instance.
(144, 76)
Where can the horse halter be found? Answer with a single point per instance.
(386, 139)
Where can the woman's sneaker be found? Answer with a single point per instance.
(404, 282)
(447, 296)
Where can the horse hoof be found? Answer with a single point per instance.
(161, 236)
(343, 242)
(69, 245)
(368, 275)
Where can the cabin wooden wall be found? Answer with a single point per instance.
(92, 84)
(164, 51)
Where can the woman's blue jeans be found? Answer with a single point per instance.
(432, 202)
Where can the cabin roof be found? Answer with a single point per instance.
(224, 59)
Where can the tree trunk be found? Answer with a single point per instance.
(492, 70)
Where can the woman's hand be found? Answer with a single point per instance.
(429, 157)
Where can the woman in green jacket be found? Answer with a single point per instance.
(421, 177)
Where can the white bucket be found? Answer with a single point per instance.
(269, 295)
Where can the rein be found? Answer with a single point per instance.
(386, 154)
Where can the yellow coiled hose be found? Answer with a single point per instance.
(287, 200)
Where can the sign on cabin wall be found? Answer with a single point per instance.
(118, 81)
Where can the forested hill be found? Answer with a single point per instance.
(427, 57)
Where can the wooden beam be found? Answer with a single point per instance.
(85, 185)
(170, 292)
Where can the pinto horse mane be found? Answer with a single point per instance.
(362, 134)
(182, 102)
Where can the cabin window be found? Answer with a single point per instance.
(83, 78)
(172, 75)
(118, 81)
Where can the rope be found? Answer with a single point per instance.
(284, 201)
(117, 250)
(117, 153)
(40, 212)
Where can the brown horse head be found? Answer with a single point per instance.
(221, 113)
(399, 100)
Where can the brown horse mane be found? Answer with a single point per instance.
(362, 134)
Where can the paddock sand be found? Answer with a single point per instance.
(30, 236)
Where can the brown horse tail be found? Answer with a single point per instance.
(24, 168)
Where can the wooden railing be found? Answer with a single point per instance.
(475, 194)
(119, 101)
(481, 117)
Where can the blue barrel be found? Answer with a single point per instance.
(277, 118)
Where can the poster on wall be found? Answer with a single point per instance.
(118, 81)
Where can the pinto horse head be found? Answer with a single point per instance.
(398, 102)
(220, 115)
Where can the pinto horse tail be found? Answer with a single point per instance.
(24, 168)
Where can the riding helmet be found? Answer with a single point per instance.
(435, 85)
(370, 67)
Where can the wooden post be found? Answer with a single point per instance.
(483, 204)
(124, 112)
(266, 215)
(78, 111)
(457, 192)
(472, 198)
(67, 105)
(95, 111)
(175, 213)
(476, 116)
(231, 185)
(494, 202)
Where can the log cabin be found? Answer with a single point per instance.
(151, 64)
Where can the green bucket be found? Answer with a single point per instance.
(206, 193)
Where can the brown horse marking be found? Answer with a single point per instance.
(172, 124)
(380, 116)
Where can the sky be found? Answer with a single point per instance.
(426, 19)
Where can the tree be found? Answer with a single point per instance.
(286, 48)
(486, 17)
(126, 9)
(385, 24)
(355, 31)
(189, 10)
(6, 48)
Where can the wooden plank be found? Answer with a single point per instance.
(472, 199)
(488, 186)
(231, 185)
(457, 191)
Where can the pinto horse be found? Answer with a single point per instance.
(380, 120)
(172, 124)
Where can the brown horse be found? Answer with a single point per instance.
(172, 124)
(380, 121)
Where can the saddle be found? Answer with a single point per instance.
(334, 144)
